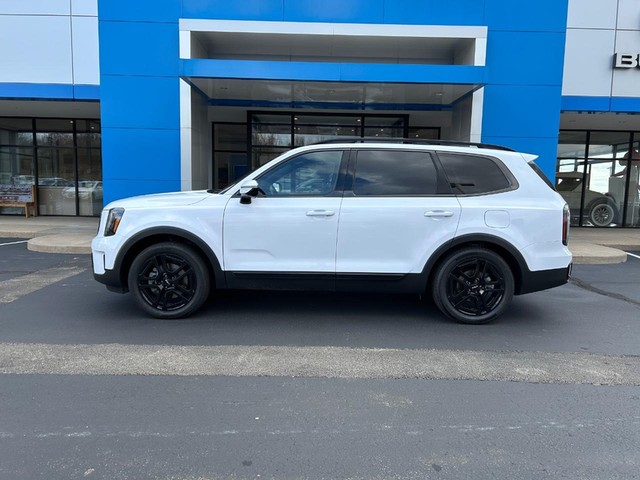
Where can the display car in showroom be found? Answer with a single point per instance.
(600, 209)
(472, 225)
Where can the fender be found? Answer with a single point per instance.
(174, 232)
(521, 264)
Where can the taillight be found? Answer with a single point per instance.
(565, 225)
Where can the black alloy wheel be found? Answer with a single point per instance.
(473, 285)
(169, 280)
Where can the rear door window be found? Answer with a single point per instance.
(394, 173)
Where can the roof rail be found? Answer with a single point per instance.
(418, 141)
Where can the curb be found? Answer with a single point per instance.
(78, 244)
(591, 254)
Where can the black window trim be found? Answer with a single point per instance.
(513, 182)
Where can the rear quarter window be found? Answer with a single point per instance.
(475, 174)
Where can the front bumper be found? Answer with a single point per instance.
(110, 278)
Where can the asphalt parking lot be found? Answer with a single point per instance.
(310, 385)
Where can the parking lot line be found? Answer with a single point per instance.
(633, 255)
(13, 243)
(14, 288)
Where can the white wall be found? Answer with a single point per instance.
(49, 41)
(596, 29)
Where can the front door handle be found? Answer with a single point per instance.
(438, 213)
(320, 213)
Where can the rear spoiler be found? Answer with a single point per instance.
(529, 157)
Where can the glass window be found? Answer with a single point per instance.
(389, 172)
(263, 155)
(310, 134)
(314, 173)
(231, 167)
(424, 133)
(473, 174)
(230, 136)
(16, 131)
(572, 145)
(56, 181)
(632, 169)
(385, 132)
(16, 166)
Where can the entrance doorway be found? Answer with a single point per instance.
(241, 147)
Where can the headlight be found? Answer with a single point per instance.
(113, 221)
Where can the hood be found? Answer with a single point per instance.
(174, 199)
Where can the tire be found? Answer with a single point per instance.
(473, 285)
(602, 214)
(169, 280)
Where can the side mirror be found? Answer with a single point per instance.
(248, 190)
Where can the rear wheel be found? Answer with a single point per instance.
(473, 285)
(602, 214)
(169, 280)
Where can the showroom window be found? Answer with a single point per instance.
(597, 174)
(241, 147)
(62, 157)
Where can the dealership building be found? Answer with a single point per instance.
(106, 99)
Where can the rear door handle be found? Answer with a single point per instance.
(438, 213)
(320, 213)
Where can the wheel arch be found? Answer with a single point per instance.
(152, 236)
(508, 252)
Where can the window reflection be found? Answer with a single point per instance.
(599, 179)
(61, 155)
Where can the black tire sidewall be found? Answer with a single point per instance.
(439, 288)
(199, 268)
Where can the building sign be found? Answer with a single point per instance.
(626, 60)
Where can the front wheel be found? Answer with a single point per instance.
(169, 280)
(473, 285)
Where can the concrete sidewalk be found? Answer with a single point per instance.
(52, 234)
(74, 234)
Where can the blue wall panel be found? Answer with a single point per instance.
(520, 16)
(140, 102)
(332, 72)
(139, 10)
(434, 12)
(266, 10)
(586, 104)
(525, 58)
(140, 161)
(521, 111)
(546, 148)
(624, 104)
(36, 90)
(139, 48)
(353, 11)
(86, 92)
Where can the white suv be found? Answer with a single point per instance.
(470, 224)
